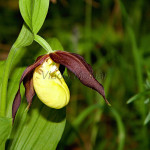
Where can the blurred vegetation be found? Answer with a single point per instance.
(114, 37)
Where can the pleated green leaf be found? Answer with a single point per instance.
(34, 13)
(5, 129)
(2, 64)
(25, 38)
(40, 128)
(4, 122)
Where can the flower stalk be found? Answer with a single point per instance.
(43, 43)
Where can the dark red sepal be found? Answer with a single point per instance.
(29, 90)
(28, 84)
(76, 64)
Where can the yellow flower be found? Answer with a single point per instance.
(50, 86)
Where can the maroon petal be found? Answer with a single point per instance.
(29, 90)
(28, 83)
(84, 62)
(76, 64)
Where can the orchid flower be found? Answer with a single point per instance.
(44, 78)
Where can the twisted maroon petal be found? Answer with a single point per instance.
(76, 64)
(29, 90)
(28, 84)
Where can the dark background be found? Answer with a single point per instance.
(114, 37)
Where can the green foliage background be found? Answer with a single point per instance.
(113, 36)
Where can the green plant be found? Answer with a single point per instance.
(39, 127)
(34, 13)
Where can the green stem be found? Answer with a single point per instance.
(5, 81)
(137, 59)
(121, 129)
(43, 43)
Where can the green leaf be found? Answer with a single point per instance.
(2, 64)
(121, 129)
(147, 119)
(34, 13)
(41, 129)
(138, 96)
(5, 129)
(25, 38)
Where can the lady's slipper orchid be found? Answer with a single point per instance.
(44, 78)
